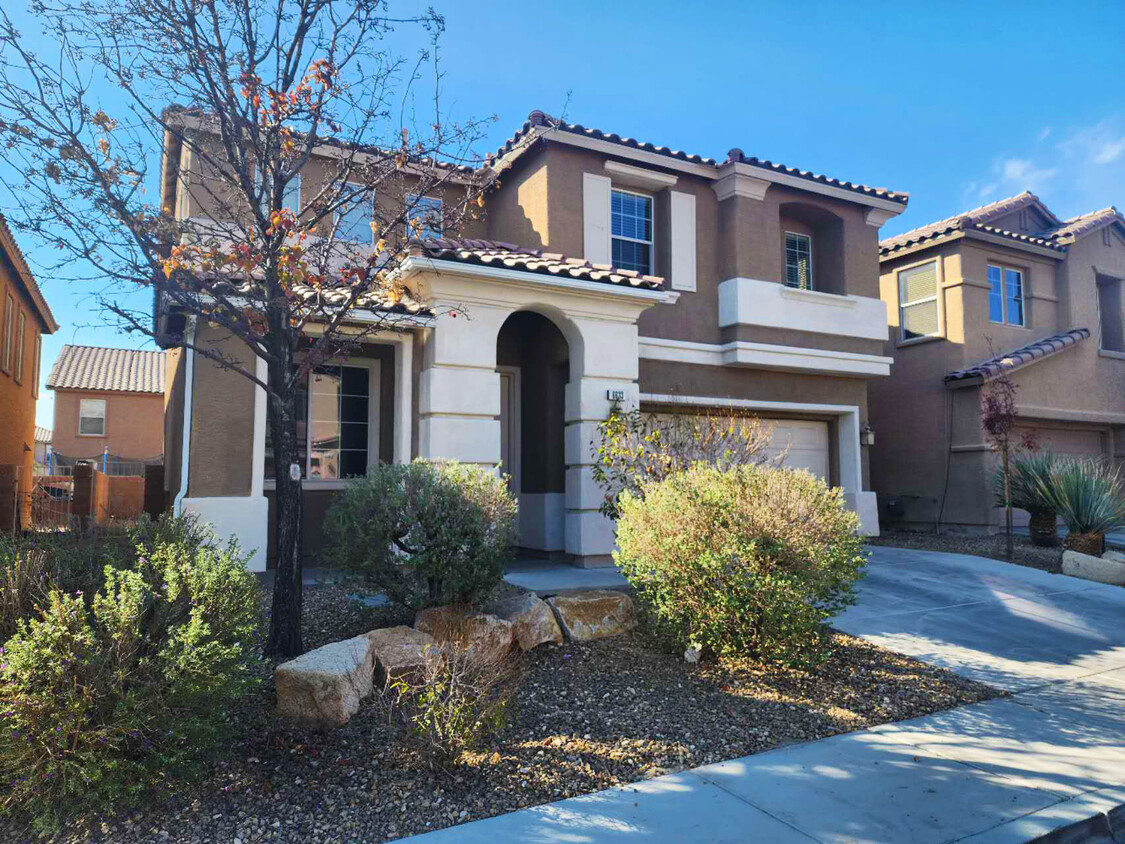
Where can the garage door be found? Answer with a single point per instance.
(1067, 442)
(805, 443)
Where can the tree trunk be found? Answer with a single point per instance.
(285, 619)
(1008, 504)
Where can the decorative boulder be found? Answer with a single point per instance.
(323, 688)
(595, 614)
(532, 620)
(1102, 569)
(1115, 556)
(399, 651)
(481, 631)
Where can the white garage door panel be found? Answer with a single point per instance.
(807, 444)
(1067, 442)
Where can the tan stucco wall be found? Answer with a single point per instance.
(174, 370)
(134, 424)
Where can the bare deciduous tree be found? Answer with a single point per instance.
(254, 92)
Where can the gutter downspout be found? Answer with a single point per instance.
(185, 447)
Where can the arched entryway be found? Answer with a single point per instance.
(533, 361)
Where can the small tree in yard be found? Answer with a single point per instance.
(263, 88)
(998, 418)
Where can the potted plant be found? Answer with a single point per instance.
(1088, 496)
(1030, 478)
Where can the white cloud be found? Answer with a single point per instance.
(1110, 151)
(1022, 174)
(1044, 133)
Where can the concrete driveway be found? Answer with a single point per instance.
(1050, 754)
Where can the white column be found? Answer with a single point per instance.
(459, 390)
(604, 368)
(404, 396)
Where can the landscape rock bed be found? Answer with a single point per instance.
(993, 547)
(589, 715)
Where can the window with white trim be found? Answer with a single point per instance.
(9, 317)
(291, 199)
(1005, 295)
(423, 216)
(35, 366)
(918, 302)
(354, 217)
(798, 261)
(337, 423)
(91, 418)
(630, 217)
(22, 322)
(1111, 317)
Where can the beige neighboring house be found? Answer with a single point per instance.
(1005, 287)
(691, 284)
(108, 400)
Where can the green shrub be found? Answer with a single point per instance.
(105, 696)
(426, 534)
(748, 561)
(1087, 493)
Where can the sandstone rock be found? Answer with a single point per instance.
(323, 688)
(532, 620)
(594, 614)
(481, 631)
(399, 651)
(1100, 569)
(1115, 556)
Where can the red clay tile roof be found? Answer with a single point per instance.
(114, 370)
(538, 120)
(1076, 227)
(510, 256)
(974, 220)
(1022, 356)
(15, 255)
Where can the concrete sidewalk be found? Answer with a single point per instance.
(1004, 770)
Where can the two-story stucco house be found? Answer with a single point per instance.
(24, 319)
(603, 270)
(1006, 287)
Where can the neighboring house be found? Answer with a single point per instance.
(42, 445)
(1006, 287)
(108, 401)
(691, 284)
(24, 319)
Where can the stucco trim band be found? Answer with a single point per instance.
(765, 356)
(748, 301)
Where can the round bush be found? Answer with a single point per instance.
(106, 696)
(747, 561)
(425, 533)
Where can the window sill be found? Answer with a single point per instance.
(917, 341)
(839, 300)
(92, 436)
(1109, 353)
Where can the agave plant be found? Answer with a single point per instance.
(1088, 495)
(1030, 479)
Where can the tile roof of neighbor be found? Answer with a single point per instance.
(975, 220)
(42, 435)
(111, 370)
(510, 256)
(539, 120)
(1075, 227)
(1022, 356)
(15, 255)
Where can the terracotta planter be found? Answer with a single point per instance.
(1086, 543)
(1044, 530)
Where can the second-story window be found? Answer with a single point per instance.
(1005, 295)
(918, 302)
(91, 417)
(9, 321)
(353, 218)
(631, 223)
(424, 216)
(19, 346)
(1110, 314)
(798, 261)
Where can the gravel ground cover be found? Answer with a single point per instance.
(995, 547)
(588, 716)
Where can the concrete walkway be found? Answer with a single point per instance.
(1004, 770)
(545, 577)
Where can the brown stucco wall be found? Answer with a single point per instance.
(134, 424)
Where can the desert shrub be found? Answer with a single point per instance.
(636, 448)
(424, 533)
(1030, 478)
(460, 699)
(106, 695)
(1087, 493)
(747, 561)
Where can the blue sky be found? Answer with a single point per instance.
(957, 103)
